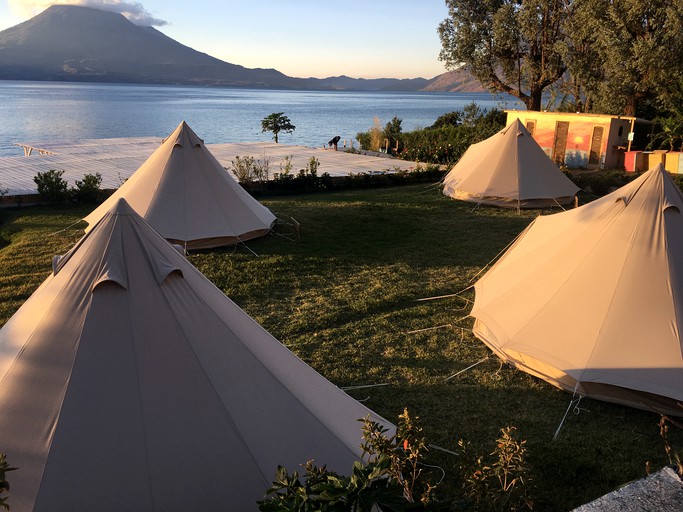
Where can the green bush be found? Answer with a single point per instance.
(248, 169)
(392, 479)
(443, 146)
(445, 141)
(602, 182)
(393, 135)
(501, 481)
(88, 190)
(51, 186)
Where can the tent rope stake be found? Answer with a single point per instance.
(428, 329)
(574, 402)
(465, 369)
(363, 386)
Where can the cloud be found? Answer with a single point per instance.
(134, 11)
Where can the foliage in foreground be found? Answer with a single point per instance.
(501, 481)
(4, 484)
(392, 477)
(674, 457)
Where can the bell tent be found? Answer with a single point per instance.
(509, 169)
(187, 195)
(591, 300)
(129, 381)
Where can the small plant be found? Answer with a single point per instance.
(391, 479)
(88, 190)
(286, 166)
(51, 186)
(674, 458)
(500, 482)
(4, 484)
(312, 166)
(376, 135)
(248, 170)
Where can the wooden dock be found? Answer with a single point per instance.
(117, 159)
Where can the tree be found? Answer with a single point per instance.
(392, 133)
(510, 46)
(628, 54)
(277, 123)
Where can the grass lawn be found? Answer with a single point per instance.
(343, 298)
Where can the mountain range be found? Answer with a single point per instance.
(82, 44)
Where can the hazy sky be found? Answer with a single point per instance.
(302, 38)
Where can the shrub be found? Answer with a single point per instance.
(376, 135)
(443, 146)
(449, 119)
(601, 182)
(392, 133)
(391, 479)
(674, 458)
(247, 169)
(445, 141)
(286, 165)
(88, 190)
(51, 186)
(501, 481)
(4, 484)
(363, 139)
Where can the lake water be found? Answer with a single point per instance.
(35, 112)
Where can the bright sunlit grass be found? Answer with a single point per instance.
(343, 298)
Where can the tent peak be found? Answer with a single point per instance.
(121, 207)
(183, 135)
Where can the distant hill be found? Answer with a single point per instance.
(82, 44)
(454, 81)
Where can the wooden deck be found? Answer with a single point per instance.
(117, 159)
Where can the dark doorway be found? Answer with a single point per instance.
(596, 145)
(561, 131)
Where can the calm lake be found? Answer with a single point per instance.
(35, 112)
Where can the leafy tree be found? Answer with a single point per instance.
(276, 123)
(670, 134)
(627, 54)
(449, 119)
(392, 132)
(510, 46)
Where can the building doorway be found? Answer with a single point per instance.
(560, 145)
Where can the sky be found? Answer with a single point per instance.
(301, 38)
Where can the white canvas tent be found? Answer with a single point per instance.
(129, 382)
(188, 197)
(509, 169)
(591, 300)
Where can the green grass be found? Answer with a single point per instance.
(343, 298)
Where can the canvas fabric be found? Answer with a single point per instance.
(128, 381)
(509, 170)
(184, 192)
(590, 299)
